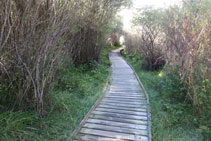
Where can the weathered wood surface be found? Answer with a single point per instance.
(122, 113)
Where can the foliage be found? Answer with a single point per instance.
(171, 118)
(117, 30)
(188, 45)
(149, 39)
(181, 35)
(73, 94)
(17, 124)
(38, 37)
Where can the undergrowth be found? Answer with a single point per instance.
(172, 119)
(73, 94)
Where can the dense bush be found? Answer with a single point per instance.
(39, 36)
(189, 51)
(72, 96)
(149, 39)
(32, 33)
(181, 37)
(114, 37)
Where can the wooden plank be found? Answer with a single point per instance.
(122, 120)
(121, 111)
(123, 102)
(86, 137)
(126, 67)
(123, 108)
(113, 81)
(124, 83)
(122, 72)
(131, 93)
(121, 82)
(126, 87)
(124, 105)
(131, 89)
(125, 99)
(116, 129)
(120, 115)
(125, 91)
(117, 70)
(126, 76)
(124, 80)
(121, 75)
(115, 135)
(126, 95)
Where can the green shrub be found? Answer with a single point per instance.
(15, 125)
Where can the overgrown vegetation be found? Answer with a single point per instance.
(51, 66)
(171, 120)
(38, 37)
(72, 97)
(148, 40)
(178, 39)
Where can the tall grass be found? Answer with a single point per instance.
(17, 125)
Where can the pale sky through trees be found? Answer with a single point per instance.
(127, 14)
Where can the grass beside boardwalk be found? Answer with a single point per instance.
(170, 121)
(71, 98)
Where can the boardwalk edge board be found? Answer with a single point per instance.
(106, 88)
(147, 96)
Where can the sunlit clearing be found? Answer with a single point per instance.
(122, 39)
(160, 74)
(155, 3)
(128, 14)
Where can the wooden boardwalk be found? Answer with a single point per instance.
(122, 113)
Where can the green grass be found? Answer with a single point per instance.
(170, 121)
(71, 98)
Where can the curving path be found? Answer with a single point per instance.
(122, 113)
